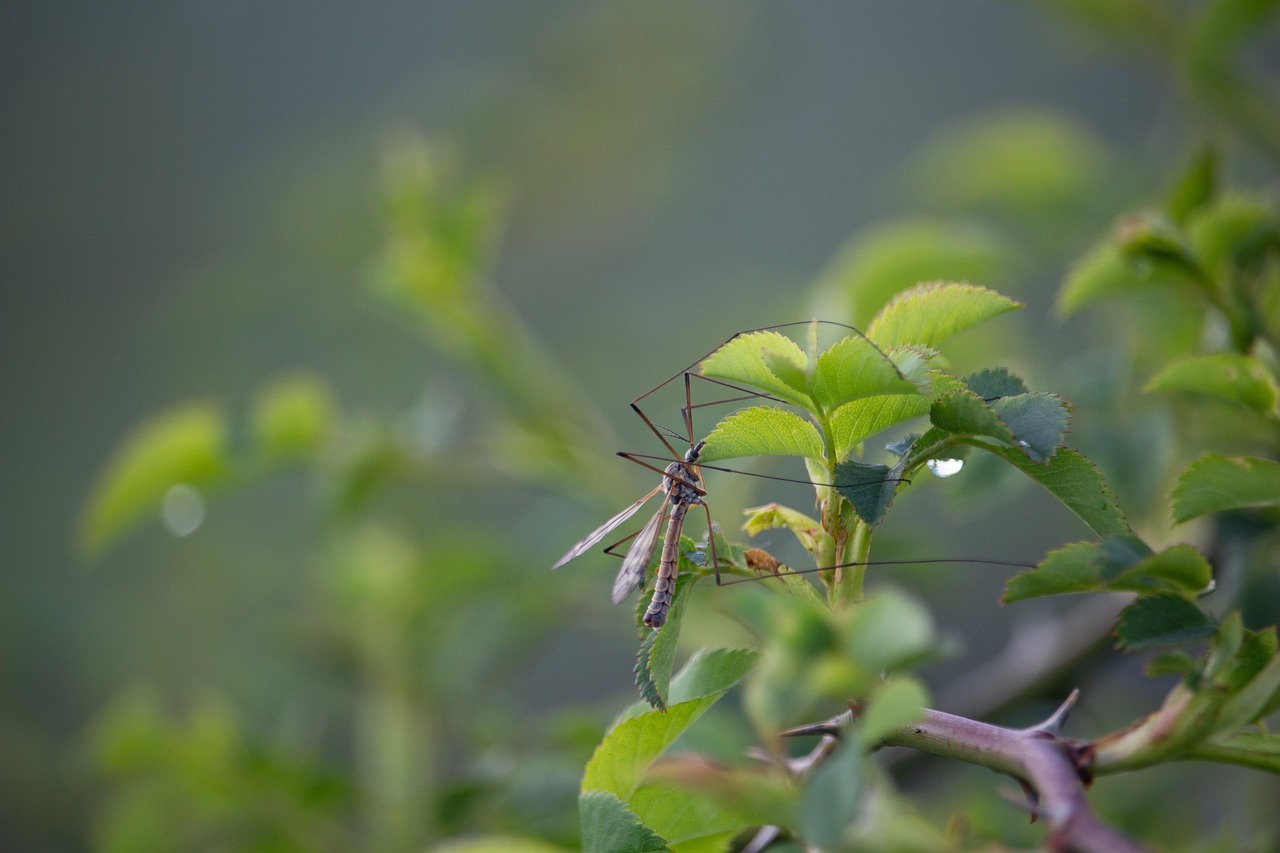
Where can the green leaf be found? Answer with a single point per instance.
(186, 445)
(762, 431)
(855, 422)
(638, 739)
(633, 744)
(1119, 563)
(657, 654)
(1029, 165)
(930, 314)
(965, 413)
(292, 417)
(889, 631)
(711, 672)
(500, 844)
(994, 383)
(1233, 233)
(1254, 699)
(1238, 378)
(1259, 750)
(1162, 620)
(898, 702)
(1075, 481)
(854, 368)
(830, 801)
(870, 489)
(756, 359)
(1215, 483)
(884, 260)
(1196, 186)
(1038, 422)
(608, 826)
(1107, 271)
(689, 820)
(774, 516)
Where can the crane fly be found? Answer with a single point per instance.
(683, 488)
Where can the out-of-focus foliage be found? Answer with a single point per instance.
(405, 613)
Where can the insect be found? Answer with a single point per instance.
(683, 487)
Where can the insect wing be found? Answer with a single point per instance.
(603, 530)
(637, 559)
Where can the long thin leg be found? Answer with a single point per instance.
(780, 573)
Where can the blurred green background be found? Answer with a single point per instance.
(193, 205)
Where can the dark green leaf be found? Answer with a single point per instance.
(852, 369)
(1075, 481)
(608, 826)
(1162, 620)
(869, 488)
(1037, 421)
(751, 359)
(995, 383)
(1170, 663)
(930, 314)
(1119, 563)
(1238, 378)
(1215, 483)
(762, 431)
(965, 413)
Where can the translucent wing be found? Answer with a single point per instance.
(603, 530)
(637, 560)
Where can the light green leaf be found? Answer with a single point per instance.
(292, 417)
(1106, 271)
(885, 260)
(898, 702)
(500, 844)
(1215, 483)
(1259, 750)
(186, 445)
(1162, 620)
(608, 826)
(691, 822)
(1238, 378)
(930, 314)
(710, 672)
(1233, 232)
(852, 369)
(762, 431)
(774, 516)
(628, 750)
(747, 359)
(888, 631)
(1074, 480)
(830, 799)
